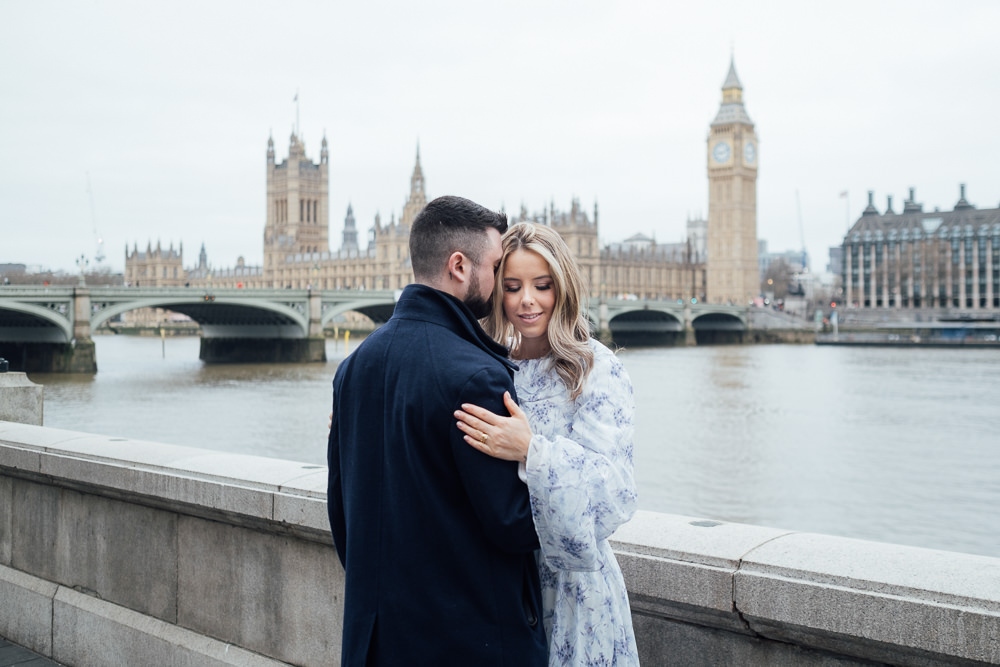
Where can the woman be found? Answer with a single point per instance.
(572, 434)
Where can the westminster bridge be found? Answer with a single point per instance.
(48, 329)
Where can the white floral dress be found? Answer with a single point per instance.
(579, 475)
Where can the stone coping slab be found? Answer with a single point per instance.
(941, 577)
(882, 601)
(252, 486)
(692, 540)
(892, 600)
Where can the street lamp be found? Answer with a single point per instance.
(82, 265)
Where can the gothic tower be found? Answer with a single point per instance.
(580, 234)
(350, 238)
(418, 198)
(731, 268)
(298, 193)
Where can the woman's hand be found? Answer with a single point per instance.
(504, 438)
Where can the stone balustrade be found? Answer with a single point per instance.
(116, 551)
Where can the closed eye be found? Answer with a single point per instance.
(511, 285)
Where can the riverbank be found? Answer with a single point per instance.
(962, 333)
(904, 339)
(781, 337)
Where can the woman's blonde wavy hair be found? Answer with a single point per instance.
(569, 328)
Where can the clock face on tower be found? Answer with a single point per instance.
(749, 152)
(721, 152)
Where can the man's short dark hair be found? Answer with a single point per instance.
(446, 225)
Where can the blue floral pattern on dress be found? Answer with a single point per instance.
(579, 475)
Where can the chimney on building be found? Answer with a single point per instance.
(870, 209)
(962, 203)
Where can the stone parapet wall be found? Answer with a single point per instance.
(21, 400)
(120, 552)
(115, 551)
(713, 593)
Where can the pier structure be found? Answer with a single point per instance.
(115, 551)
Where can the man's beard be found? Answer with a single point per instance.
(474, 301)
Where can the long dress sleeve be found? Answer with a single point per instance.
(579, 476)
(579, 465)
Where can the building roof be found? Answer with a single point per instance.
(732, 109)
(914, 223)
(732, 81)
(732, 113)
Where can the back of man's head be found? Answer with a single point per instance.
(446, 225)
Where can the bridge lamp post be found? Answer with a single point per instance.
(82, 265)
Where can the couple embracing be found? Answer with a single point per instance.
(477, 471)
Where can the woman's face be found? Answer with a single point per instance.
(529, 297)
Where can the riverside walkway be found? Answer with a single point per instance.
(12, 654)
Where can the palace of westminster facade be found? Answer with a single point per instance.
(717, 263)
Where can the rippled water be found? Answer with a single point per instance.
(898, 445)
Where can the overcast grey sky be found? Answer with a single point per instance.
(168, 107)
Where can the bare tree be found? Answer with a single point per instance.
(779, 279)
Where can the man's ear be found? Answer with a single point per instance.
(458, 267)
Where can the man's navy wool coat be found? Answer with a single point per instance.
(436, 538)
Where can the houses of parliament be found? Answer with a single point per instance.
(717, 262)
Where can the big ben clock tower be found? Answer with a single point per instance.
(732, 275)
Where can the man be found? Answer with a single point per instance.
(436, 538)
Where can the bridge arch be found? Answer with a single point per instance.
(52, 326)
(719, 321)
(645, 319)
(646, 326)
(378, 308)
(216, 312)
(719, 328)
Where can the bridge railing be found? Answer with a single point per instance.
(122, 552)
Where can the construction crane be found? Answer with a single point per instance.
(99, 252)
(802, 234)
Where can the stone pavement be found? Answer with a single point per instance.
(12, 654)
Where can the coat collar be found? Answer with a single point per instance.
(422, 302)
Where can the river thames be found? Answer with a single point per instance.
(894, 445)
